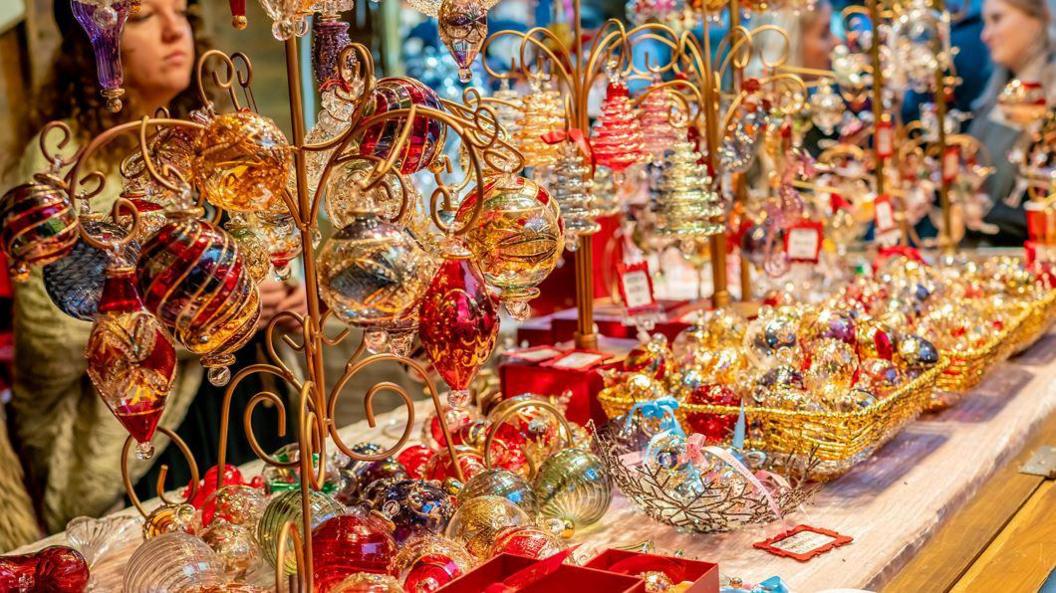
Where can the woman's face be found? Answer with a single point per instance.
(157, 50)
(817, 38)
(1010, 33)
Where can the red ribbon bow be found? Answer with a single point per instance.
(887, 253)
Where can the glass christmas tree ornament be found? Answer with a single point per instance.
(507, 106)
(55, 569)
(542, 113)
(173, 562)
(573, 485)
(655, 118)
(458, 324)
(415, 507)
(344, 545)
(429, 562)
(75, 282)
(285, 508)
(427, 136)
(526, 540)
(517, 238)
(131, 361)
(252, 246)
(1022, 101)
(826, 108)
(368, 582)
(193, 279)
(573, 189)
(235, 546)
(463, 25)
(241, 163)
(373, 274)
(685, 204)
(104, 21)
(478, 520)
(617, 136)
(38, 225)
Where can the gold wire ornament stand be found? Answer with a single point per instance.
(475, 126)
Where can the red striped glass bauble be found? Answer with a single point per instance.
(193, 279)
(39, 226)
(427, 135)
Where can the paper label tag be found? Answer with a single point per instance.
(803, 242)
(884, 214)
(803, 542)
(537, 354)
(577, 360)
(951, 163)
(636, 287)
(885, 142)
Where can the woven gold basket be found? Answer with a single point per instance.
(1036, 323)
(838, 440)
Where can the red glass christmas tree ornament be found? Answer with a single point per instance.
(39, 225)
(716, 428)
(617, 136)
(238, 14)
(193, 279)
(347, 544)
(55, 569)
(427, 135)
(458, 324)
(655, 117)
(131, 361)
(104, 21)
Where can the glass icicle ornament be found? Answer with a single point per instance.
(654, 116)
(826, 108)
(543, 113)
(75, 282)
(104, 21)
(193, 279)
(572, 188)
(518, 238)
(242, 162)
(38, 225)
(459, 322)
(426, 139)
(685, 204)
(617, 137)
(463, 25)
(131, 361)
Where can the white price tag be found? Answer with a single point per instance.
(884, 141)
(637, 289)
(885, 216)
(535, 354)
(803, 244)
(578, 360)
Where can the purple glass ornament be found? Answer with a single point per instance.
(329, 37)
(103, 21)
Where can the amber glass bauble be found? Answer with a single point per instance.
(193, 279)
(517, 238)
(463, 25)
(241, 163)
(131, 361)
(459, 322)
(478, 520)
(75, 282)
(38, 225)
(427, 135)
(347, 544)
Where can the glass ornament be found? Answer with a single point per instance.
(685, 204)
(329, 38)
(826, 108)
(855, 400)
(373, 274)
(458, 324)
(440, 467)
(655, 115)
(241, 163)
(131, 361)
(652, 358)
(367, 582)
(152, 216)
(367, 479)
(778, 378)
(573, 485)
(415, 458)
(170, 518)
(282, 237)
(1022, 102)
(103, 23)
(507, 106)
(517, 238)
(543, 112)
(918, 40)
(94, 538)
(347, 544)
(716, 428)
(252, 246)
(641, 388)
(75, 282)
(478, 520)
(193, 279)
(345, 200)
(916, 352)
(232, 587)
(502, 482)
(616, 138)
(284, 508)
(830, 324)
(574, 191)
(427, 136)
(429, 562)
(879, 376)
(525, 540)
(38, 226)
(55, 569)
(288, 18)
(832, 368)
(666, 458)
(772, 338)
(740, 142)
(415, 507)
(463, 25)
(235, 546)
(236, 504)
(173, 563)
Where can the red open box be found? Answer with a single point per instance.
(566, 579)
(704, 575)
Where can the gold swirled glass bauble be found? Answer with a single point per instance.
(573, 485)
(242, 161)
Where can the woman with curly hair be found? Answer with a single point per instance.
(69, 442)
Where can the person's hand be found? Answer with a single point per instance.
(295, 301)
(276, 296)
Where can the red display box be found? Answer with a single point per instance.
(704, 575)
(566, 579)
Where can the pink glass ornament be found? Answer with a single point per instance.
(617, 136)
